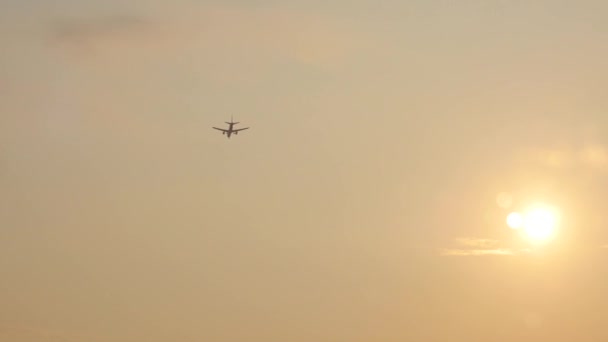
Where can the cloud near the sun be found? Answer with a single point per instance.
(479, 247)
(477, 252)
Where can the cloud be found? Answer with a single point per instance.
(215, 32)
(477, 252)
(76, 30)
(479, 247)
(97, 32)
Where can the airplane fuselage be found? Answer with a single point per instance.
(228, 132)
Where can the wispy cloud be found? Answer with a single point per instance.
(477, 252)
(89, 33)
(91, 28)
(479, 247)
(217, 31)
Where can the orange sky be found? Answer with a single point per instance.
(360, 206)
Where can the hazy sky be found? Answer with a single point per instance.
(360, 206)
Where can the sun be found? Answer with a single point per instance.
(539, 222)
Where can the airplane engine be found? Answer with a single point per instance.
(236, 133)
(223, 133)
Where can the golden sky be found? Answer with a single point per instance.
(389, 141)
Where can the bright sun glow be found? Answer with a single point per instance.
(539, 222)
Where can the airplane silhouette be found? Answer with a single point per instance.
(231, 129)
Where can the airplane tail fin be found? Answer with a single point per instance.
(232, 121)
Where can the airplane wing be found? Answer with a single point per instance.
(240, 129)
(221, 129)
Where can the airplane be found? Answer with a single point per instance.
(230, 129)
